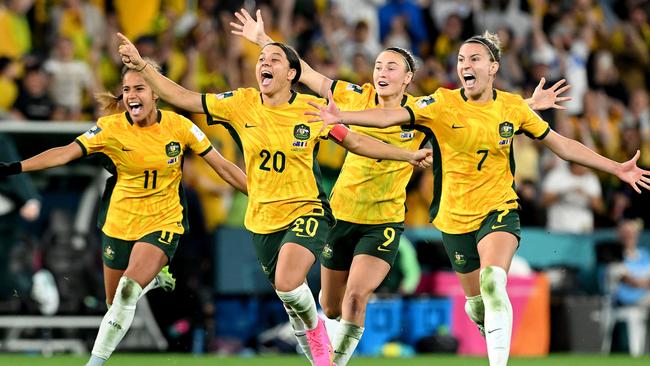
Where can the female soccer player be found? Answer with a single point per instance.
(369, 195)
(141, 214)
(475, 205)
(287, 212)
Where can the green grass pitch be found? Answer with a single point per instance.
(211, 360)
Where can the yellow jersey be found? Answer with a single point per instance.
(371, 191)
(279, 147)
(474, 166)
(144, 193)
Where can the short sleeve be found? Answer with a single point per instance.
(220, 107)
(94, 139)
(348, 96)
(194, 138)
(424, 110)
(532, 125)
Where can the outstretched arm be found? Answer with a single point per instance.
(166, 89)
(572, 150)
(374, 117)
(548, 98)
(47, 159)
(253, 30)
(375, 149)
(227, 170)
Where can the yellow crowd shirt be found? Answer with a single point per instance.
(144, 194)
(474, 165)
(371, 191)
(279, 147)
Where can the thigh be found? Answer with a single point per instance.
(116, 252)
(380, 241)
(366, 274)
(147, 259)
(462, 251)
(498, 239)
(339, 250)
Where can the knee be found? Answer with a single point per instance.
(331, 310)
(286, 285)
(128, 291)
(357, 299)
(493, 285)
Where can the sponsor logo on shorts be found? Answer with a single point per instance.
(494, 227)
(109, 253)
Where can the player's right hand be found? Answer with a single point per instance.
(129, 53)
(10, 168)
(251, 29)
(422, 158)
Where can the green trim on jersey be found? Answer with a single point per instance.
(513, 163)
(436, 169)
(206, 151)
(183, 202)
(108, 191)
(81, 145)
(322, 195)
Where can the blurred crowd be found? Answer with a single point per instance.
(54, 54)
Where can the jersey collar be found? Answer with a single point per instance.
(462, 94)
(128, 117)
(402, 103)
(291, 98)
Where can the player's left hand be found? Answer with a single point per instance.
(329, 114)
(129, 54)
(631, 174)
(548, 98)
(251, 29)
(422, 158)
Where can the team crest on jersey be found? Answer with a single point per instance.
(94, 131)
(506, 130)
(327, 251)
(173, 149)
(301, 132)
(109, 253)
(459, 259)
(355, 88)
(225, 95)
(425, 101)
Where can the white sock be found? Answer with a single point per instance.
(302, 302)
(299, 330)
(154, 284)
(346, 342)
(118, 319)
(475, 309)
(498, 314)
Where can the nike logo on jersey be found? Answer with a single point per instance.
(126, 149)
(494, 227)
(455, 126)
(249, 126)
(493, 330)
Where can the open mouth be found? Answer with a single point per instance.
(135, 108)
(266, 78)
(382, 83)
(470, 80)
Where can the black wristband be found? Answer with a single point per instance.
(11, 168)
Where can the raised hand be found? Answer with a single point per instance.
(631, 174)
(251, 29)
(129, 54)
(548, 98)
(422, 158)
(329, 114)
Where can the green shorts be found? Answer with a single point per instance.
(349, 239)
(116, 252)
(462, 249)
(307, 231)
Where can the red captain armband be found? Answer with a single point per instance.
(339, 132)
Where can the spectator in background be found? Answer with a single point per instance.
(571, 193)
(634, 288)
(82, 22)
(359, 43)
(15, 31)
(409, 10)
(8, 87)
(18, 200)
(34, 102)
(70, 78)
